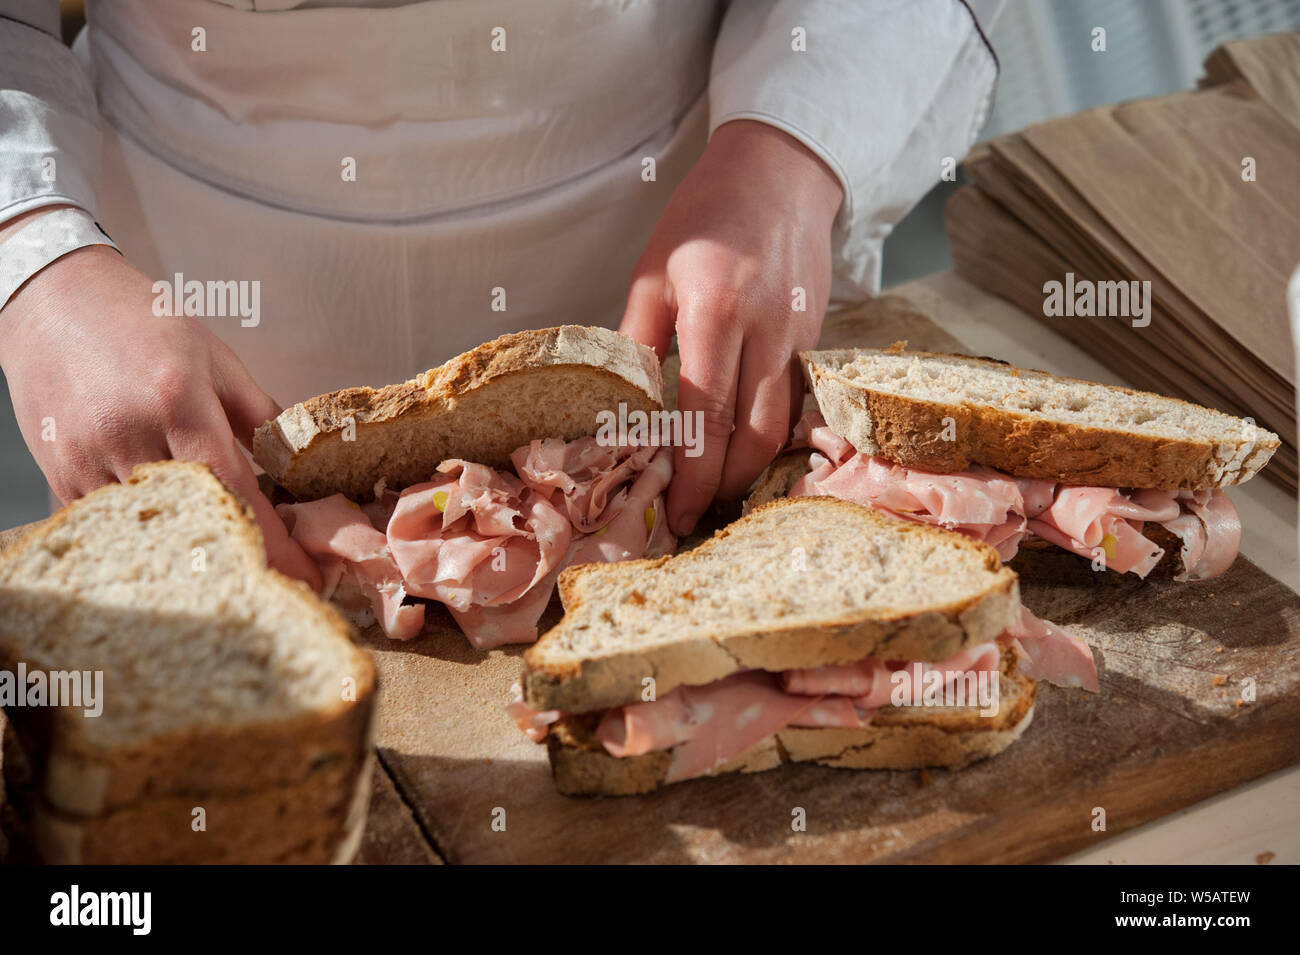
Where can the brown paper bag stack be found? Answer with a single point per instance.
(1196, 193)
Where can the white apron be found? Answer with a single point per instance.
(481, 177)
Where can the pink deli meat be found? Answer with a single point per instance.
(708, 726)
(355, 562)
(487, 544)
(534, 723)
(1102, 524)
(705, 726)
(1047, 652)
(868, 682)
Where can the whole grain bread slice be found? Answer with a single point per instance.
(220, 676)
(479, 406)
(798, 582)
(897, 738)
(947, 412)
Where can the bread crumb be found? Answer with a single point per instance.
(1220, 679)
(1218, 649)
(1264, 858)
(1238, 702)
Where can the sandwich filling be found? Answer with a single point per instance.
(488, 544)
(1103, 524)
(707, 726)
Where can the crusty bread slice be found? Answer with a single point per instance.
(777, 478)
(480, 406)
(799, 582)
(901, 738)
(893, 403)
(220, 676)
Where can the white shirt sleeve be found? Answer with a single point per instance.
(49, 124)
(883, 91)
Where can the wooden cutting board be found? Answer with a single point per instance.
(1158, 737)
(461, 781)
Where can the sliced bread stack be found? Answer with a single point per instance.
(235, 706)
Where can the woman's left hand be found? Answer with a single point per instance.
(739, 266)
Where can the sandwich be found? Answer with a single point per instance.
(916, 477)
(170, 698)
(1025, 461)
(810, 630)
(475, 484)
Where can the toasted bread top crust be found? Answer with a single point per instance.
(479, 406)
(946, 413)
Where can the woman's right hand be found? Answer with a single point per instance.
(100, 384)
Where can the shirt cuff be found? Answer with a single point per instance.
(44, 239)
(882, 92)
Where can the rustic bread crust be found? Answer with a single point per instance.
(777, 479)
(904, 738)
(910, 431)
(210, 760)
(600, 683)
(310, 822)
(304, 450)
(70, 774)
